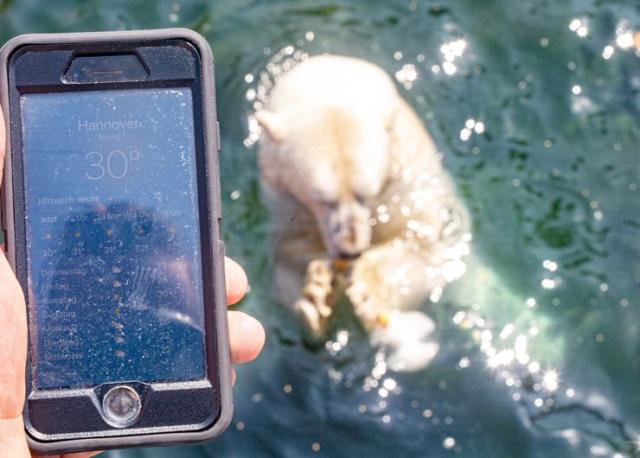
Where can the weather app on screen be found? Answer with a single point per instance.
(113, 241)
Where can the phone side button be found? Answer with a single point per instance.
(218, 135)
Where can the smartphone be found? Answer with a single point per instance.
(111, 215)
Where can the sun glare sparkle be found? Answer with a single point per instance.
(450, 52)
(550, 380)
(449, 443)
(607, 52)
(625, 40)
(407, 75)
(548, 283)
(579, 26)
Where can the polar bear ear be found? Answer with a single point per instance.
(273, 124)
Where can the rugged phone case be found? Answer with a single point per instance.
(219, 360)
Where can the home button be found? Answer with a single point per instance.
(121, 406)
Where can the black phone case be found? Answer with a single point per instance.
(219, 360)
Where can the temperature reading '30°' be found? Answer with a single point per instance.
(114, 164)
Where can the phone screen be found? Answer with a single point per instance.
(112, 232)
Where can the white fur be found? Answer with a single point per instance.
(340, 149)
(408, 340)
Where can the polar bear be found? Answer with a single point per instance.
(358, 199)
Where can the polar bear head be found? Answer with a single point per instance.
(334, 158)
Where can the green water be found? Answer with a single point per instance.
(553, 177)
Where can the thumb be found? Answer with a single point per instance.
(2, 144)
(13, 354)
(13, 338)
(13, 342)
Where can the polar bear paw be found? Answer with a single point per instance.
(316, 304)
(367, 306)
(366, 292)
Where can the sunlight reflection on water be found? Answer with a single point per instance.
(537, 385)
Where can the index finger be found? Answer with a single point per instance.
(235, 280)
(2, 144)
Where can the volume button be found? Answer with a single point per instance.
(218, 135)
(218, 201)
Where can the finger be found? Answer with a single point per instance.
(12, 440)
(13, 343)
(236, 281)
(2, 144)
(246, 337)
(13, 351)
(80, 455)
(2, 155)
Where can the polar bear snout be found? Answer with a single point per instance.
(347, 231)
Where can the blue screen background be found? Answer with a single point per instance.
(113, 242)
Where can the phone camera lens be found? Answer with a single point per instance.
(121, 406)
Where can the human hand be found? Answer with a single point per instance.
(246, 337)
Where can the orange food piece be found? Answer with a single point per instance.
(383, 319)
(341, 264)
